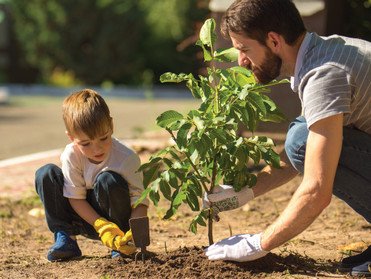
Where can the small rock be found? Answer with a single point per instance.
(36, 212)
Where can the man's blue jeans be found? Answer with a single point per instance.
(353, 176)
(110, 198)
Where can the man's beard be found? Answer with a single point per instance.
(269, 69)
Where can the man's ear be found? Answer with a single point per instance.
(112, 124)
(69, 136)
(274, 42)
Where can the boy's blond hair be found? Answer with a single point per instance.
(86, 111)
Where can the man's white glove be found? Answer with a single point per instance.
(238, 248)
(224, 198)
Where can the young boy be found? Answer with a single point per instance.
(94, 192)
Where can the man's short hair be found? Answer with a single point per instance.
(256, 18)
(86, 111)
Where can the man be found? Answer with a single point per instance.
(330, 144)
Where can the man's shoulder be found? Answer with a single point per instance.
(334, 53)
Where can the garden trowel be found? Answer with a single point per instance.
(140, 231)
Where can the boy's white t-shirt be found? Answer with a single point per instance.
(80, 174)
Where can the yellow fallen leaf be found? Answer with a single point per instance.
(355, 246)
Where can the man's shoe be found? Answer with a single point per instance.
(362, 270)
(357, 260)
(64, 248)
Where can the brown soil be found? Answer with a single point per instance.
(174, 251)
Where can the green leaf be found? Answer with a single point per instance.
(165, 189)
(224, 74)
(150, 175)
(226, 54)
(143, 196)
(200, 220)
(153, 194)
(152, 162)
(257, 101)
(243, 80)
(244, 115)
(271, 158)
(196, 186)
(168, 117)
(206, 91)
(196, 118)
(181, 137)
(207, 35)
(243, 94)
(207, 54)
(197, 220)
(171, 211)
(239, 181)
(262, 140)
(171, 77)
(241, 158)
(254, 154)
(194, 155)
(193, 227)
(172, 179)
(174, 155)
(241, 70)
(179, 198)
(221, 135)
(195, 89)
(274, 114)
(192, 200)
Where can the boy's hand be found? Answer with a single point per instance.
(113, 237)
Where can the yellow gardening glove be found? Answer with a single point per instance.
(124, 246)
(113, 237)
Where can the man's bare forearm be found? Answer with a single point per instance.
(270, 178)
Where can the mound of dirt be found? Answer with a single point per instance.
(192, 263)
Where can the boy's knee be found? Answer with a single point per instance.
(46, 171)
(47, 175)
(112, 182)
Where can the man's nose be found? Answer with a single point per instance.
(243, 61)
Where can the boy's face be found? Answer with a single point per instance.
(96, 150)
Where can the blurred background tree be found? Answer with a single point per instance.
(132, 42)
(349, 17)
(103, 41)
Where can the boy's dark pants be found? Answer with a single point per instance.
(110, 198)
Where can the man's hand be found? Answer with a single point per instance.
(239, 248)
(113, 237)
(224, 198)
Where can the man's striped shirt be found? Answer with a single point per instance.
(335, 77)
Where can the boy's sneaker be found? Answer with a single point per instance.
(357, 260)
(363, 270)
(115, 254)
(64, 248)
